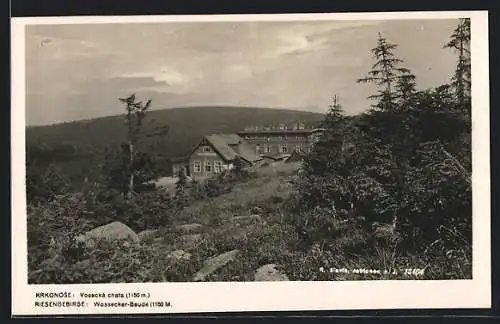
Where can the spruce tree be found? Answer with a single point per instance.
(181, 186)
(328, 150)
(385, 73)
(334, 115)
(460, 42)
(182, 180)
(397, 88)
(135, 113)
(406, 103)
(406, 89)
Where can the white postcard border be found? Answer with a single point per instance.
(272, 296)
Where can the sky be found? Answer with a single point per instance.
(77, 72)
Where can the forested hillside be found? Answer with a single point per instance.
(78, 148)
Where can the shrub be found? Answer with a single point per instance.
(45, 185)
(52, 228)
(147, 210)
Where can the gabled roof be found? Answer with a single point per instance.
(284, 131)
(231, 145)
(276, 156)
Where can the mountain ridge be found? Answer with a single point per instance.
(84, 120)
(80, 146)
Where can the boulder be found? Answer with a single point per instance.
(269, 272)
(147, 235)
(189, 228)
(383, 232)
(215, 263)
(256, 210)
(179, 255)
(190, 241)
(247, 219)
(111, 232)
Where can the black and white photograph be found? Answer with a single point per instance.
(251, 151)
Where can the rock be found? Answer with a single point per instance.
(382, 231)
(111, 232)
(190, 241)
(269, 272)
(253, 217)
(247, 219)
(147, 235)
(189, 228)
(256, 210)
(215, 263)
(180, 255)
(242, 231)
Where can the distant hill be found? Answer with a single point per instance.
(187, 126)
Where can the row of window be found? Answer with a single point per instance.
(209, 166)
(280, 127)
(279, 138)
(282, 148)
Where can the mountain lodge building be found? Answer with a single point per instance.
(255, 144)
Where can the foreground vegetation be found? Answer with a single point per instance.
(387, 190)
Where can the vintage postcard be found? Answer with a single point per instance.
(221, 163)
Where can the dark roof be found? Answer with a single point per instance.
(284, 131)
(231, 145)
(276, 156)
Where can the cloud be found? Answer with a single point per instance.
(296, 44)
(43, 48)
(80, 70)
(166, 79)
(238, 72)
(313, 37)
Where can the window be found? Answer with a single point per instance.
(218, 166)
(207, 149)
(260, 148)
(208, 166)
(298, 148)
(283, 149)
(269, 149)
(281, 138)
(300, 138)
(196, 166)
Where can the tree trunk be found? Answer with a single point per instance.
(395, 222)
(131, 168)
(460, 78)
